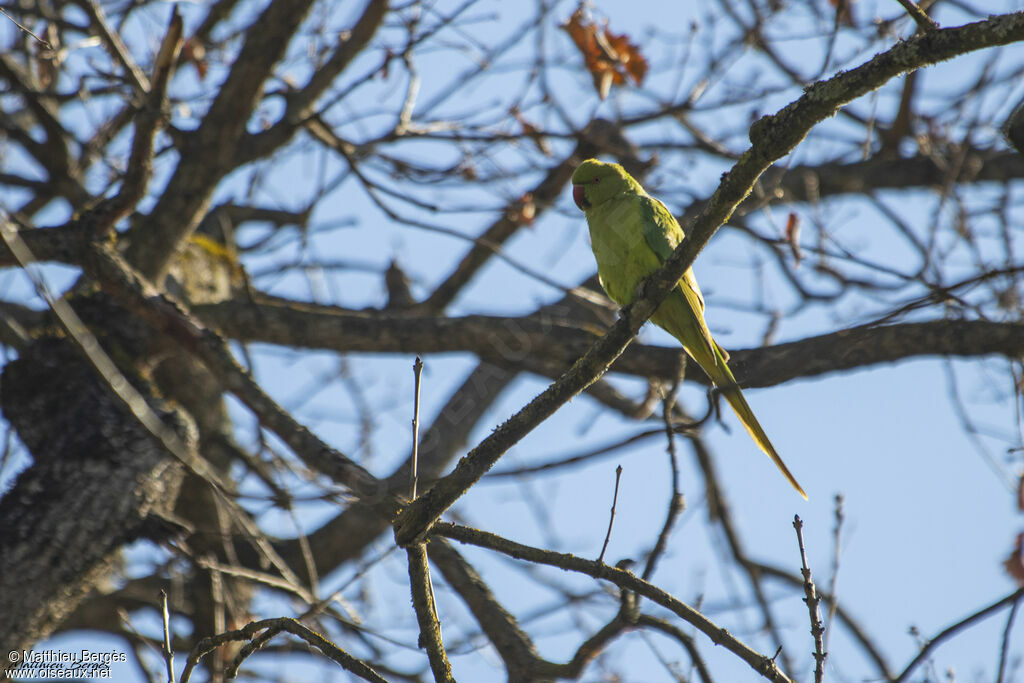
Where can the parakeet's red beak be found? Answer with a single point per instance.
(580, 197)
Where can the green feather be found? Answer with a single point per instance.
(632, 234)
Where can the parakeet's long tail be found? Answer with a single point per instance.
(683, 320)
(726, 383)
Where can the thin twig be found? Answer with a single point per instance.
(923, 21)
(812, 601)
(270, 628)
(765, 666)
(854, 629)
(549, 465)
(677, 503)
(25, 29)
(833, 581)
(930, 644)
(719, 510)
(417, 371)
(137, 642)
(167, 652)
(287, 584)
(1005, 648)
(688, 643)
(611, 518)
(218, 608)
(306, 551)
(115, 45)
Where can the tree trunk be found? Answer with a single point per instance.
(99, 480)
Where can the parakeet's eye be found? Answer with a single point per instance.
(597, 180)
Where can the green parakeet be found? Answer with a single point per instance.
(632, 234)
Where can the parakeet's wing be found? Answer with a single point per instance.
(663, 234)
(684, 319)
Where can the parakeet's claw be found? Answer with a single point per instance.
(641, 290)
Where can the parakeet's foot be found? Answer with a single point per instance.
(641, 290)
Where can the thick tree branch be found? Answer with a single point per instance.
(299, 105)
(880, 172)
(510, 342)
(169, 317)
(426, 613)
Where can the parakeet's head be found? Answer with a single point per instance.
(595, 182)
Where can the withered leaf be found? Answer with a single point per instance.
(609, 58)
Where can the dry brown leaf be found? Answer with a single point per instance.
(524, 210)
(844, 12)
(194, 52)
(793, 237)
(532, 132)
(1014, 564)
(609, 58)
